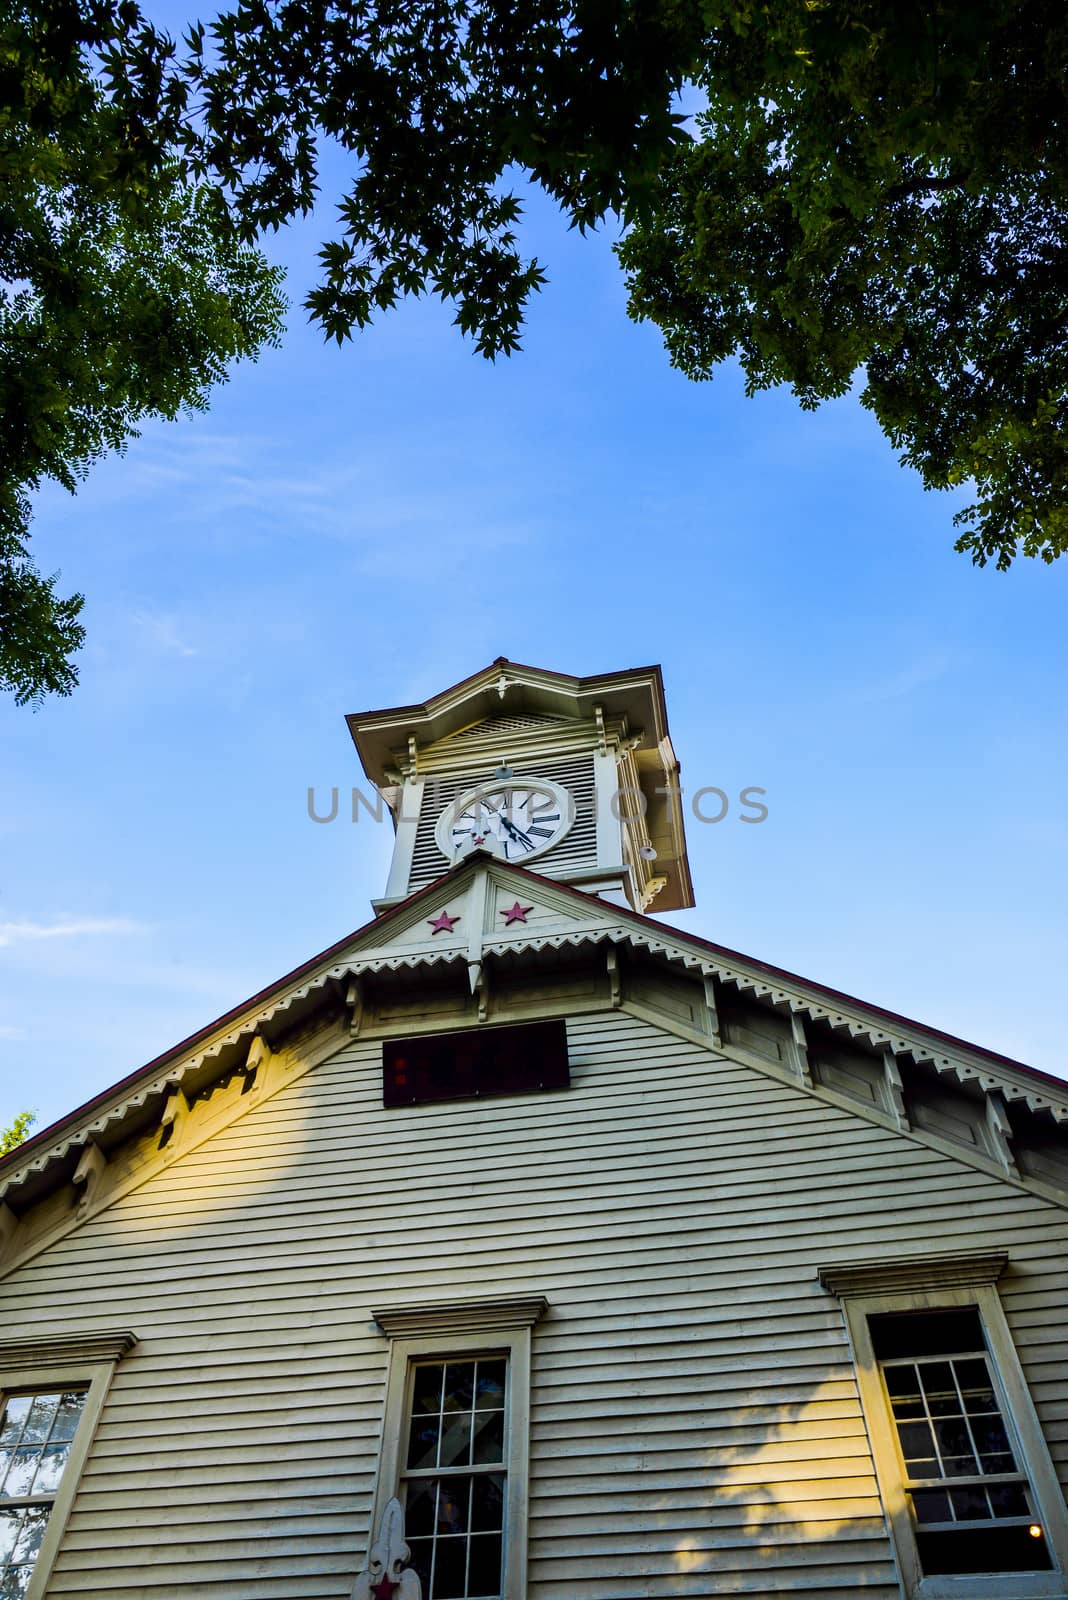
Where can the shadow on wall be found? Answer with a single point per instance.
(701, 1458)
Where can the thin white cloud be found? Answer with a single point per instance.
(27, 931)
(907, 681)
(245, 490)
(7, 1031)
(162, 631)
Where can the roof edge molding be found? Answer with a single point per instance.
(966, 1270)
(65, 1350)
(389, 740)
(461, 1316)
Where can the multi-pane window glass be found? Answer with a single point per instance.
(454, 1477)
(36, 1433)
(972, 1504)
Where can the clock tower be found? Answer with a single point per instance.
(574, 777)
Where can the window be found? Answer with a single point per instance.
(453, 1483)
(455, 1443)
(972, 1507)
(51, 1393)
(972, 1500)
(36, 1434)
(521, 1059)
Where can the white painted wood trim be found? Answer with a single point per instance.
(609, 826)
(513, 1342)
(62, 1362)
(63, 1349)
(1021, 1419)
(461, 1316)
(400, 869)
(914, 1274)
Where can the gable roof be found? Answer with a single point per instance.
(475, 894)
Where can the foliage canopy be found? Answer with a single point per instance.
(882, 188)
(873, 191)
(125, 292)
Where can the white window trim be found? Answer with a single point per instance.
(936, 1284)
(67, 1361)
(460, 1329)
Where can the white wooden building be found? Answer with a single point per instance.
(631, 1267)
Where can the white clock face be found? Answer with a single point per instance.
(517, 819)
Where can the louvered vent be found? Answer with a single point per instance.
(493, 725)
(578, 849)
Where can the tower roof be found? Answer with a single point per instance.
(382, 738)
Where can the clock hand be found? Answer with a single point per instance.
(517, 833)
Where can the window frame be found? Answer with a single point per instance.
(69, 1362)
(947, 1285)
(463, 1331)
(544, 1039)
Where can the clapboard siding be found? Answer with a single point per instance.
(695, 1421)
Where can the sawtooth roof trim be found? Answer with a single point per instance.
(613, 924)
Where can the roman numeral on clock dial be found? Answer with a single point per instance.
(515, 821)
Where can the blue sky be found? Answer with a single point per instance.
(359, 527)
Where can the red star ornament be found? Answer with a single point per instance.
(383, 1589)
(442, 924)
(516, 913)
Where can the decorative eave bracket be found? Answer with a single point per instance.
(478, 951)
